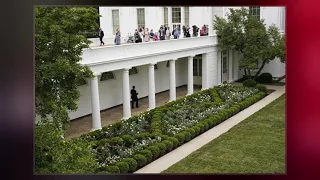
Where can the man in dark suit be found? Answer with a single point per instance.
(101, 34)
(134, 97)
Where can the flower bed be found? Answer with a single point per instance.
(131, 144)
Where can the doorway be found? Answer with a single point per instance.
(224, 66)
(197, 70)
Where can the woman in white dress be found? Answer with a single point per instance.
(147, 35)
(168, 34)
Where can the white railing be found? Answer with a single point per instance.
(102, 54)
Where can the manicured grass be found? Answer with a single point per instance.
(256, 145)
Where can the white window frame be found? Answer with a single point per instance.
(142, 24)
(114, 25)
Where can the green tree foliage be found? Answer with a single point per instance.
(249, 36)
(53, 154)
(59, 40)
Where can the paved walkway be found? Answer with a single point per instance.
(83, 125)
(183, 151)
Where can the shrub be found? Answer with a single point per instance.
(123, 167)
(155, 151)
(191, 131)
(202, 127)
(133, 165)
(174, 141)
(181, 137)
(196, 130)
(249, 83)
(141, 159)
(128, 140)
(206, 125)
(162, 147)
(262, 88)
(187, 136)
(210, 122)
(265, 78)
(116, 141)
(169, 145)
(147, 154)
(141, 136)
(113, 169)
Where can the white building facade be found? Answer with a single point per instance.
(159, 66)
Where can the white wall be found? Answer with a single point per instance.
(110, 93)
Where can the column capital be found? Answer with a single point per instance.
(96, 73)
(192, 56)
(152, 64)
(174, 59)
(126, 69)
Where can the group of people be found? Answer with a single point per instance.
(164, 33)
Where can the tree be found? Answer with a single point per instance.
(59, 40)
(248, 35)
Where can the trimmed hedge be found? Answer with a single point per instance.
(249, 83)
(123, 166)
(146, 153)
(141, 160)
(112, 169)
(167, 143)
(133, 165)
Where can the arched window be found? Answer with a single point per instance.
(107, 76)
(133, 71)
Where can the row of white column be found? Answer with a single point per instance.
(96, 117)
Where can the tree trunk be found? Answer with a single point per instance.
(249, 73)
(280, 78)
(245, 71)
(260, 69)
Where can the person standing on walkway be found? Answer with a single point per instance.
(117, 39)
(134, 97)
(168, 34)
(162, 33)
(147, 35)
(101, 34)
(151, 35)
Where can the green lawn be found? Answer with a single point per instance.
(256, 145)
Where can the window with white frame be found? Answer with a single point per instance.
(186, 16)
(176, 15)
(115, 20)
(255, 11)
(141, 18)
(107, 76)
(165, 16)
(133, 71)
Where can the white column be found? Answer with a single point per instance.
(219, 68)
(210, 19)
(172, 80)
(182, 20)
(170, 18)
(230, 58)
(95, 104)
(126, 94)
(152, 96)
(204, 71)
(190, 75)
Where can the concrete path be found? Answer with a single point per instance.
(183, 151)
